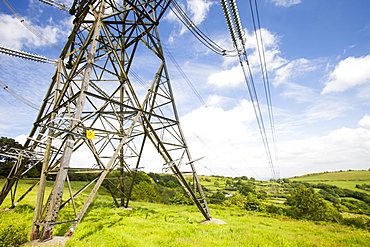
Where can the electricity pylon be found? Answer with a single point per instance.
(96, 116)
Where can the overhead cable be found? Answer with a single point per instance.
(16, 95)
(178, 67)
(265, 77)
(235, 24)
(24, 23)
(192, 27)
(216, 155)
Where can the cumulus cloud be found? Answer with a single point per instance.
(232, 75)
(286, 3)
(199, 10)
(349, 73)
(365, 122)
(17, 36)
(227, 78)
(229, 138)
(341, 149)
(292, 69)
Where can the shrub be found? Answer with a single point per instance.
(181, 198)
(235, 201)
(252, 203)
(13, 235)
(358, 222)
(144, 192)
(306, 204)
(217, 198)
(273, 209)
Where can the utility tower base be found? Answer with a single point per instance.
(213, 221)
(55, 241)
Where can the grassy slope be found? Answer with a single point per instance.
(170, 225)
(344, 179)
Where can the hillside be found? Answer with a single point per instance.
(342, 179)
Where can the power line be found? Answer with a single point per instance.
(16, 95)
(24, 23)
(206, 145)
(178, 67)
(191, 26)
(237, 36)
(265, 77)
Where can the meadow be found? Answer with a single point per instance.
(343, 179)
(154, 224)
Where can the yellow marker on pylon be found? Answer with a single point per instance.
(90, 134)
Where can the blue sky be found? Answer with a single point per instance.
(318, 59)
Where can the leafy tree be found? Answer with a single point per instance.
(5, 145)
(217, 198)
(306, 204)
(363, 186)
(181, 197)
(143, 191)
(245, 189)
(252, 203)
(237, 200)
(6, 163)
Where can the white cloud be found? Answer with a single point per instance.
(199, 10)
(292, 69)
(341, 149)
(349, 73)
(17, 36)
(325, 109)
(365, 122)
(227, 78)
(286, 3)
(21, 139)
(230, 139)
(270, 48)
(233, 76)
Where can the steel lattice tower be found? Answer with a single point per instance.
(96, 116)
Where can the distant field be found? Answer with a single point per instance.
(344, 179)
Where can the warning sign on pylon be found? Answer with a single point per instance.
(90, 134)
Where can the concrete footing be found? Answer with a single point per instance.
(55, 241)
(213, 221)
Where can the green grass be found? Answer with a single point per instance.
(150, 224)
(337, 176)
(344, 179)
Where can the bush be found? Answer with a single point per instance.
(306, 204)
(358, 222)
(217, 198)
(252, 203)
(181, 198)
(144, 192)
(13, 235)
(273, 209)
(235, 201)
